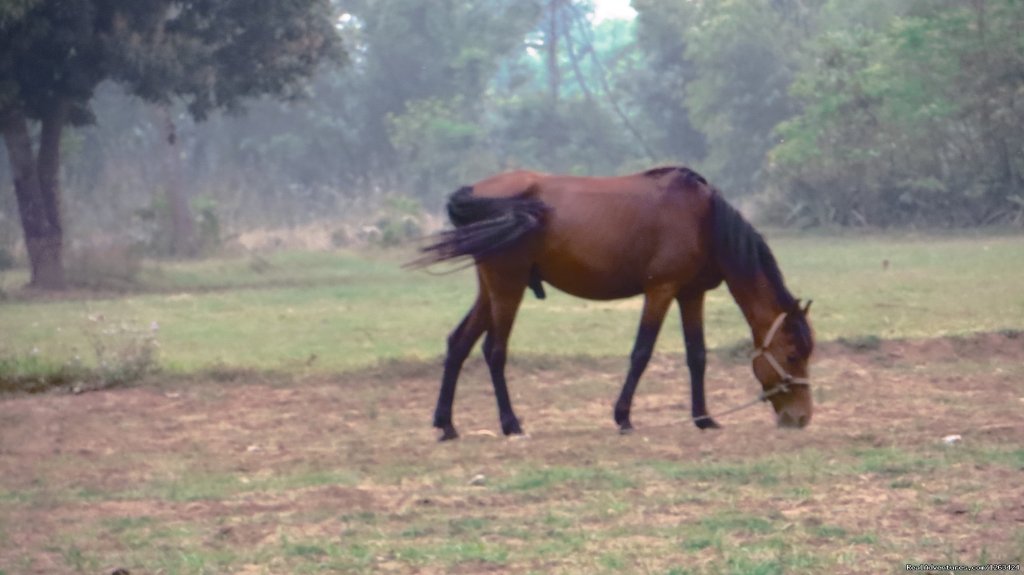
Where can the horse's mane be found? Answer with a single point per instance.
(660, 171)
(742, 254)
(683, 172)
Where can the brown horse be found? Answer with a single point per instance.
(665, 233)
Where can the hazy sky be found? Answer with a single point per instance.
(605, 9)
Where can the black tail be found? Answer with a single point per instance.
(483, 226)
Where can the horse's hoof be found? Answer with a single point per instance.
(511, 427)
(448, 434)
(707, 423)
(625, 427)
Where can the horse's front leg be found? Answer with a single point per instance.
(656, 303)
(692, 309)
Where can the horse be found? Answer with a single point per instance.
(664, 233)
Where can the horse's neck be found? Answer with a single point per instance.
(758, 302)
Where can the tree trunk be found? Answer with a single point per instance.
(182, 226)
(552, 136)
(551, 44)
(37, 188)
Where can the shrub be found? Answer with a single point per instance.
(122, 354)
(108, 265)
(400, 220)
(208, 232)
(7, 260)
(395, 230)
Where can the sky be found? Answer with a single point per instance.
(611, 9)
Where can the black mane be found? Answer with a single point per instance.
(742, 254)
(659, 172)
(685, 173)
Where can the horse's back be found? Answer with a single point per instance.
(607, 238)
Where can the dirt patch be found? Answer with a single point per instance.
(252, 464)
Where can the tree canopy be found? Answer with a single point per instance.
(208, 55)
(824, 112)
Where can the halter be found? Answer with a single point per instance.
(787, 379)
(762, 351)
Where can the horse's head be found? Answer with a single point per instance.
(780, 364)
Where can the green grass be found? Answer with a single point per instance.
(584, 522)
(338, 311)
(547, 478)
(768, 472)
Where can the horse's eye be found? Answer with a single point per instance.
(792, 358)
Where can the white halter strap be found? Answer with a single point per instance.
(782, 386)
(787, 379)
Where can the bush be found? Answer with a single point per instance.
(396, 230)
(122, 353)
(7, 260)
(398, 222)
(154, 227)
(208, 232)
(108, 265)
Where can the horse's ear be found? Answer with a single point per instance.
(807, 307)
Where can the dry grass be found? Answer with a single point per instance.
(341, 474)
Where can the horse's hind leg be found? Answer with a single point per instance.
(506, 293)
(656, 303)
(460, 343)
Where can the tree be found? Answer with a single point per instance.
(420, 80)
(746, 53)
(913, 119)
(211, 55)
(565, 101)
(663, 85)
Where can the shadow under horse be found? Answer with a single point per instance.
(664, 233)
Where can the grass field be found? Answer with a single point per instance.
(279, 437)
(351, 312)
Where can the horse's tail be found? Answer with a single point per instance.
(483, 226)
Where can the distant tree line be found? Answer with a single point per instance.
(820, 112)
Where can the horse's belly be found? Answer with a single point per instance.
(593, 288)
(588, 281)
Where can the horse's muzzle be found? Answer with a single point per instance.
(790, 421)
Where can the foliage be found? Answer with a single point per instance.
(209, 234)
(664, 80)
(879, 112)
(6, 258)
(911, 121)
(439, 142)
(582, 138)
(399, 222)
(416, 56)
(744, 54)
(152, 226)
(110, 265)
(209, 56)
(122, 352)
